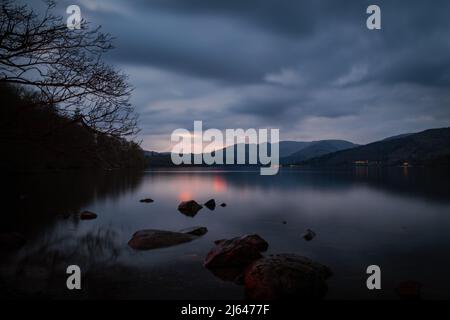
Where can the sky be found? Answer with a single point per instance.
(310, 68)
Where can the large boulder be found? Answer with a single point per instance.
(189, 208)
(286, 276)
(154, 239)
(236, 252)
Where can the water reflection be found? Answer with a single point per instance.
(39, 199)
(391, 218)
(219, 184)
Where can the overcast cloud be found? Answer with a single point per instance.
(310, 68)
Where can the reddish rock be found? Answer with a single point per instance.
(87, 215)
(236, 252)
(189, 208)
(154, 239)
(285, 276)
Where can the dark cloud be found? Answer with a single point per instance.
(311, 68)
(284, 16)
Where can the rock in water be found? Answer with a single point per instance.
(11, 241)
(309, 235)
(236, 252)
(223, 205)
(87, 215)
(286, 276)
(189, 208)
(154, 239)
(195, 231)
(210, 204)
(148, 200)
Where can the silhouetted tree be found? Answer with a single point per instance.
(65, 68)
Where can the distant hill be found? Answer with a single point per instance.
(427, 148)
(430, 147)
(289, 147)
(290, 151)
(398, 136)
(316, 149)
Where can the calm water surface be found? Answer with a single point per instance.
(398, 219)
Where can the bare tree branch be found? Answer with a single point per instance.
(65, 67)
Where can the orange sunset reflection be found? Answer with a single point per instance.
(185, 196)
(219, 184)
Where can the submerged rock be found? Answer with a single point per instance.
(409, 290)
(286, 276)
(195, 231)
(309, 235)
(236, 252)
(11, 241)
(210, 204)
(154, 239)
(189, 208)
(148, 200)
(87, 215)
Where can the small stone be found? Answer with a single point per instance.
(189, 208)
(210, 204)
(148, 200)
(223, 205)
(309, 235)
(87, 215)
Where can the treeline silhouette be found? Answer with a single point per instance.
(40, 137)
(62, 105)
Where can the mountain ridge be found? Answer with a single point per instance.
(428, 147)
(286, 149)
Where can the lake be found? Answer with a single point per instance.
(398, 219)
